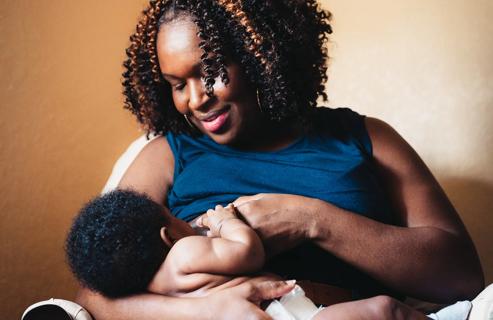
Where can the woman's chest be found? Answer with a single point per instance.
(349, 182)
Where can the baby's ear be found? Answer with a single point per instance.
(165, 236)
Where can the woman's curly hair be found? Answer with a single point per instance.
(280, 45)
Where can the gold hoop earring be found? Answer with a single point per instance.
(259, 101)
(190, 124)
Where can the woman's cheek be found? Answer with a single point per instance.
(179, 102)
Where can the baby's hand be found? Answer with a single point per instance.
(215, 218)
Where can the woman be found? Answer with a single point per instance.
(336, 198)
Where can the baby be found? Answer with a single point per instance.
(123, 243)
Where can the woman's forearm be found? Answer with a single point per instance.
(425, 262)
(142, 306)
(239, 302)
(431, 258)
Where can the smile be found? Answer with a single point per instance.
(214, 121)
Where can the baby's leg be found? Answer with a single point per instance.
(376, 308)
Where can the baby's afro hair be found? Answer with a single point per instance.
(114, 246)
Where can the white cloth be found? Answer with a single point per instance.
(481, 308)
(482, 305)
(458, 311)
(293, 306)
(125, 161)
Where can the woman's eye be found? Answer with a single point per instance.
(179, 87)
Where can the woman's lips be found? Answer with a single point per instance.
(215, 123)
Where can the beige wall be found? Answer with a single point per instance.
(421, 65)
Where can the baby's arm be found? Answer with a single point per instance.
(232, 246)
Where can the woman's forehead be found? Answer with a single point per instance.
(178, 36)
(178, 44)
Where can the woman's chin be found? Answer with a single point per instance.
(227, 135)
(225, 138)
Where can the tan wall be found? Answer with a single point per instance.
(62, 127)
(423, 66)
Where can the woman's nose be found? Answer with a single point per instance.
(198, 96)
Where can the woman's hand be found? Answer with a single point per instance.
(281, 220)
(242, 301)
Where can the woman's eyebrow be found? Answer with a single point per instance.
(169, 76)
(195, 69)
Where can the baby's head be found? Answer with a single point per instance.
(119, 240)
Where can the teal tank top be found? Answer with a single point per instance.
(333, 163)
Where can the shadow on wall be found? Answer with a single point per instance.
(473, 199)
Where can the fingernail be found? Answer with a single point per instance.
(291, 282)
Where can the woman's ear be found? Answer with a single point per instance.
(166, 237)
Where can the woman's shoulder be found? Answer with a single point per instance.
(343, 124)
(152, 170)
(157, 149)
(337, 119)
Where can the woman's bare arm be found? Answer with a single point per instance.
(240, 302)
(152, 171)
(430, 256)
(142, 306)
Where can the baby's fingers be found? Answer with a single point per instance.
(199, 222)
(203, 221)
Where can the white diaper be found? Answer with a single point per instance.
(293, 306)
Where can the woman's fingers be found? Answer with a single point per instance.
(242, 302)
(227, 305)
(273, 289)
(256, 292)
